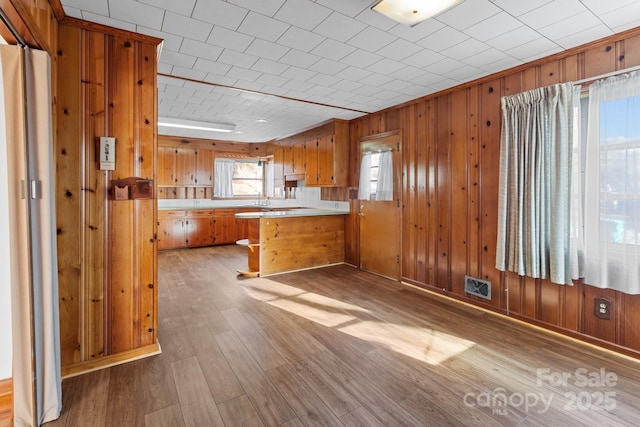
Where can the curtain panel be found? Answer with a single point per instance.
(364, 184)
(537, 138)
(223, 178)
(385, 176)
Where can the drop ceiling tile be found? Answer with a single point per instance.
(386, 66)
(503, 64)
(188, 73)
(361, 58)
(551, 13)
(376, 79)
(424, 58)
(171, 42)
(464, 74)
(186, 27)
(264, 7)
(239, 59)
(371, 39)
(626, 26)
(321, 90)
(297, 73)
(445, 66)
(582, 37)
(417, 32)
(105, 20)
(327, 66)
(468, 13)
(443, 39)
(263, 27)
(354, 74)
(243, 74)
(600, 7)
(514, 38)
(323, 80)
(99, 7)
(265, 49)
(399, 49)
(339, 27)
(73, 12)
(350, 8)
(332, 49)
(204, 50)
(219, 80)
(220, 13)
(493, 26)
(267, 66)
(376, 19)
(299, 59)
(271, 80)
(183, 7)
(179, 59)
(467, 48)
(624, 17)
(300, 39)
(517, 8)
(297, 85)
(533, 50)
(302, 13)
(211, 67)
(482, 59)
(165, 68)
(570, 25)
(226, 38)
(407, 74)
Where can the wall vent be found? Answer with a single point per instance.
(478, 287)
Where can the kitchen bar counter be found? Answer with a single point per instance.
(289, 212)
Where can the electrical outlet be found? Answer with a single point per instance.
(602, 307)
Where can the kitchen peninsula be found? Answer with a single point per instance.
(293, 239)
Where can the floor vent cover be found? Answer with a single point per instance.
(478, 287)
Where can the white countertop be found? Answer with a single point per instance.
(291, 213)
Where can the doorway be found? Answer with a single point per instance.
(379, 204)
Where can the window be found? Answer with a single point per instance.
(376, 176)
(248, 178)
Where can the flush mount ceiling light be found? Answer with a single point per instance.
(412, 12)
(195, 125)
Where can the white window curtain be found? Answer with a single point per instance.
(612, 185)
(364, 186)
(537, 140)
(385, 176)
(223, 178)
(270, 178)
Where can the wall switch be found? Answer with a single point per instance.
(107, 153)
(602, 308)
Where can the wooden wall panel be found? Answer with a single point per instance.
(109, 89)
(451, 147)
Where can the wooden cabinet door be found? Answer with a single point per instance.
(171, 233)
(299, 158)
(224, 228)
(166, 165)
(204, 167)
(287, 154)
(326, 161)
(185, 166)
(311, 162)
(199, 231)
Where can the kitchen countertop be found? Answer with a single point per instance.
(191, 207)
(289, 213)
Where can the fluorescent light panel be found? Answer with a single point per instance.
(412, 12)
(195, 125)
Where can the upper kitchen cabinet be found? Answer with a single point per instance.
(185, 167)
(327, 158)
(204, 167)
(294, 159)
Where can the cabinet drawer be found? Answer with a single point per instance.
(163, 214)
(201, 212)
(224, 212)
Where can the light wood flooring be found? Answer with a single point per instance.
(341, 347)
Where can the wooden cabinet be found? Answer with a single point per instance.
(171, 229)
(199, 228)
(294, 159)
(185, 167)
(327, 159)
(224, 226)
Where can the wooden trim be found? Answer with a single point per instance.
(6, 400)
(111, 360)
(20, 20)
(111, 31)
(58, 10)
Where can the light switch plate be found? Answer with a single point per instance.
(107, 153)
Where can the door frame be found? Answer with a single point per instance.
(383, 139)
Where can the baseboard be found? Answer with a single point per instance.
(111, 360)
(6, 402)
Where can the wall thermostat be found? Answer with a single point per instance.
(107, 153)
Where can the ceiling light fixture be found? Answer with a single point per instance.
(412, 12)
(195, 125)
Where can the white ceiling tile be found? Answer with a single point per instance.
(350, 8)
(502, 64)
(424, 58)
(468, 13)
(266, 49)
(570, 25)
(73, 12)
(339, 27)
(361, 58)
(105, 20)
(323, 80)
(533, 50)
(417, 32)
(165, 68)
(219, 80)
(297, 73)
(321, 90)
(239, 59)
(299, 59)
(264, 7)
(353, 73)
(211, 66)
(302, 13)
(220, 13)
(261, 26)
(445, 66)
(186, 27)
(332, 49)
(582, 37)
(467, 48)
(443, 39)
(376, 79)
(371, 39)
(300, 39)
(170, 41)
(600, 7)
(493, 26)
(386, 66)
(271, 80)
(204, 50)
(99, 7)
(553, 12)
(514, 38)
(464, 74)
(519, 7)
(626, 26)
(406, 75)
(188, 73)
(175, 58)
(376, 19)
(183, 7)
(297, 86)
(243, 74)
(399, 49)
(623, 16)
(327, 66)
(226, 38)
(268, 66)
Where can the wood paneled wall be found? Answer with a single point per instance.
(450, 157)
(106, 248)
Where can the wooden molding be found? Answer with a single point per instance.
(6, 400)
(111, 360)
(58, 10)
(111, 31)
(21, 23)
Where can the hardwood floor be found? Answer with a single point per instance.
(341, 347)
